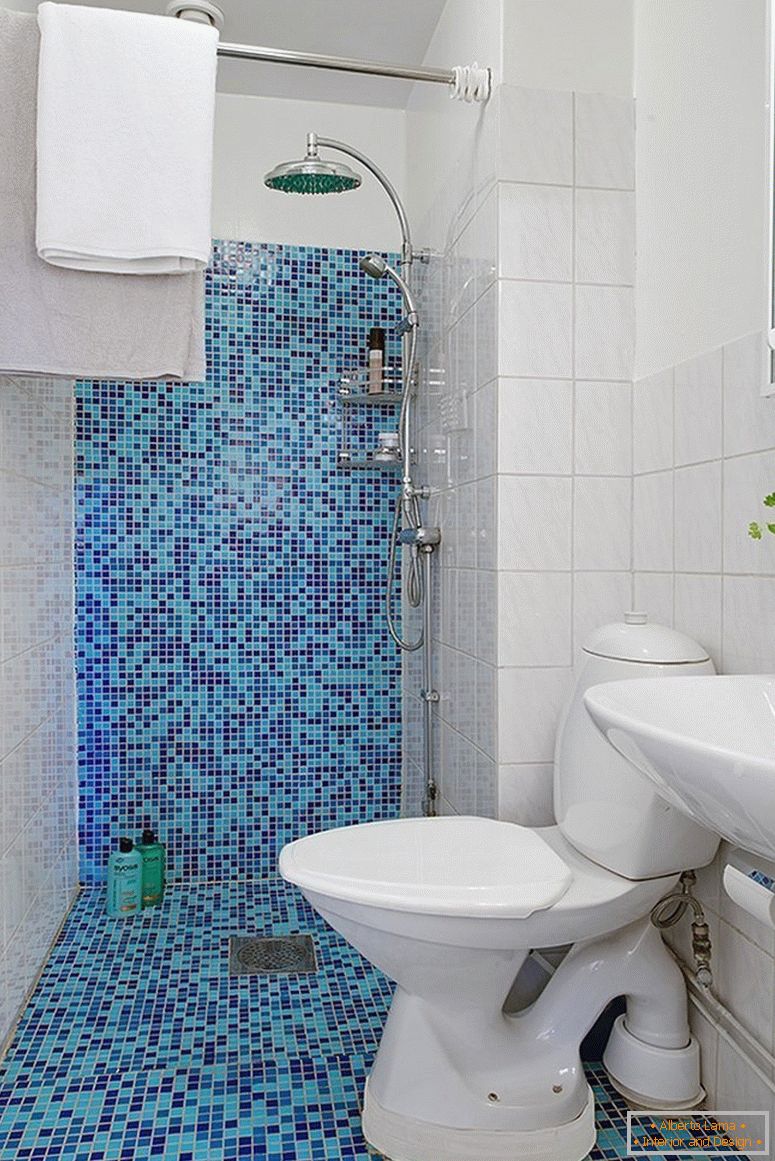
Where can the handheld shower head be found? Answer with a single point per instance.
(374, 265)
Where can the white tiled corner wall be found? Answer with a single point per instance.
(565, 323)
(525, 422)
(704, 456)
(38, 780)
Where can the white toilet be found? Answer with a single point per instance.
(450, 908)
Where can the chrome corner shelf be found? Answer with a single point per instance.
(361, 463)
(375, 399)
(353, 391)
(354, 388)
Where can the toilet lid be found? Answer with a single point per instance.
(444, 866)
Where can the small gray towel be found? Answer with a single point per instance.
(68, 322)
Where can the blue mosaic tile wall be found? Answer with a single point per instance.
(237, 687)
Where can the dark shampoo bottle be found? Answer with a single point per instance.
(153, 856)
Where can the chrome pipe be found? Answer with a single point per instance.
(314, 60)
(313, 141)
(429, 694)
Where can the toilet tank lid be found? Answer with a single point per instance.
(634, 639)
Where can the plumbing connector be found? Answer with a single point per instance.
(672, 908)
(702, 950)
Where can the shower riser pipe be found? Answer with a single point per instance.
(429, 694)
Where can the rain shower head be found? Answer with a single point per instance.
(373, 265)
(312, 175)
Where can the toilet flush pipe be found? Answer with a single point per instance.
(634, 963)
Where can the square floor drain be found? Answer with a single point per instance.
(257, 955)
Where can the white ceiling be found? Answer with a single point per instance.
(397, 31)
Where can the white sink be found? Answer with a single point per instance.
(707, 742)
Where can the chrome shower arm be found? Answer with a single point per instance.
(329, 143)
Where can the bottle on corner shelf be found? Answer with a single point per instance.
(125, 880)
(376, 360)
(152, 854)
(388, 450)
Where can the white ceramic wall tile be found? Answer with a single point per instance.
(465, 627)
(536, 136)
(746, 982)
(486, 523)
(534, 523)
(486, 358)
(535, 232)
(698, 409)
(653, 522)
(37, 745)
(698, 611)
(653, 594)
(707, 1037)
(602, 514)
(486, 616)
(749, 417)
(535, 330)
(605, 236)
(466, 526)
(462, 273)
(738, 1086)
(698, 518)
(486, 779)
(605, 332)
(535, 426)
(486, 241)
(485, 430)
(708, 888)
(599, 598)
(485, 732)
(605, 141)
(525, 794)
(652, 421)
(749, 624)
(747, 480)
(529, 705)
(602, 429)
(534, 618)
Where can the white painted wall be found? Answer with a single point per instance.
(700, 83)
(451, 145)
(586, 45)
(253, 134)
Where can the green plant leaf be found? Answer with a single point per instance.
(771, 528)
(770, 500)
(754, 531)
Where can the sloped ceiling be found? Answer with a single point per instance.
(398, 31)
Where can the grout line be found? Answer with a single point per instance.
(722, 661)
(574, 388)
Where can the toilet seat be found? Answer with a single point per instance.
(450, 866)
(375, 870)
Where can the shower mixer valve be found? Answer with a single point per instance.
(422, 537)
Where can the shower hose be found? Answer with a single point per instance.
(407, 510)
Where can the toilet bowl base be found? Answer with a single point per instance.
(401, 1138)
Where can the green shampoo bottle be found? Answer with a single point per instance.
(125, 880)
(153, 856)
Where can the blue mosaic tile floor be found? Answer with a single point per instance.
(138, 1044)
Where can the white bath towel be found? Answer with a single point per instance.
(125, 136)
(71, 322)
